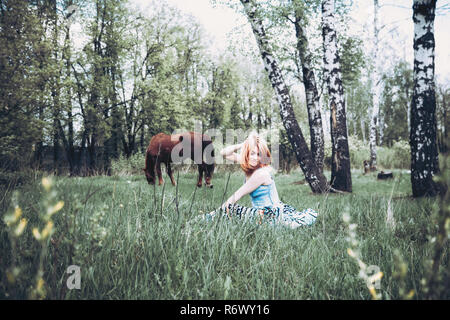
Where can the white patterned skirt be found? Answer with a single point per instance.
(282, 214)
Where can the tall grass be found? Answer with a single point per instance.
(131, 242)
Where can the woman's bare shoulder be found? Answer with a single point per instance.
(263, 174)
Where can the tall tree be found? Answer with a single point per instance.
(309, 81)
(376, 91)
(24, 68)
(313, 175)
(424, 154)
(340, 156)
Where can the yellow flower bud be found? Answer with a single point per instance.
(376, 277)
(36, 234)
(351, 253)
(410, 295)
(17, 213)
(53, 209)
(21, 227)
(373, 292)
(47, 230)
(40, 284)
(46, 183)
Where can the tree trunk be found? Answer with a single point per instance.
(341, 178)
(115, 114)
(424, 154)
(363, 130)
(381, 126)
(441, 115)
(312, 95)
(55, 91)
(313, 175)
(376, 92)
(69, 143)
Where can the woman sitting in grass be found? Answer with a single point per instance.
(255, 160)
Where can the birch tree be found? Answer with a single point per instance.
(340, 155)
(376, 92)
(313, 175)
(312, 95)
(424, 154)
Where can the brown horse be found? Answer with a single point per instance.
(164, 148)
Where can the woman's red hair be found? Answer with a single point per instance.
(263, 150)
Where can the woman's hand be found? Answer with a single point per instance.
(229, 152)
(225, 205)
(230, 149)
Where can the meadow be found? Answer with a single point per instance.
(136, 241)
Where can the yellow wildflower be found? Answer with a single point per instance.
(47, 230)
(46, 183)
(410, 295)
(17, 213)
(40, 284)
(21, 227)
(351, 253)
(373, 292)
(36, 234)
(376, 277)
(12, 218)
(53, 209)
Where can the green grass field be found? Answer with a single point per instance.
(135, 241)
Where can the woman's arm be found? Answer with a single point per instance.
(230, 154)
(258, 178)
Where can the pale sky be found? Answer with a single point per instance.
(396, 15)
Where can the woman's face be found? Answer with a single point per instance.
(254, 157)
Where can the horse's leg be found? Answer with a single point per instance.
(158, 171)
(200, 175)
(169, 172)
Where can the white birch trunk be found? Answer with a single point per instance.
(325, 116)
(376, 92)
(311, 92)
(424, 154)
(340, 163)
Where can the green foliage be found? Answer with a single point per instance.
(352, 59)
(23, 72)
(128, 166)
(398, 89)
(397, 156)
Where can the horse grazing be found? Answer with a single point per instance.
(163, 148)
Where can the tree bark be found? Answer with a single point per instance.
(424, 154)
(313, 175)
(376, 92)
(340, 157)
(312, 95)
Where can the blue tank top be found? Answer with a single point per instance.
(265, 195)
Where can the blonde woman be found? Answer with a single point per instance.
(255, 160)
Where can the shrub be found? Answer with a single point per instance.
(395, 157)
(133, 165)
(398, 156)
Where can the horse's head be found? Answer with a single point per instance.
(150, 178)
